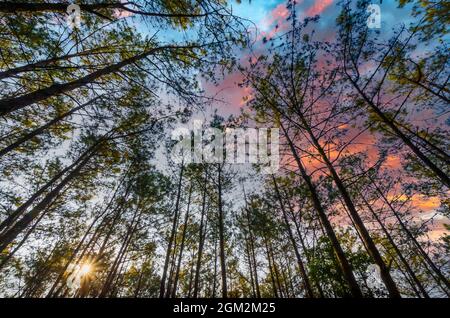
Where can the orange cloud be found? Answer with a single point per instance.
(425, 203)
(419, 201)
(392, 161)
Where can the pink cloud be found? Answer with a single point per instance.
(275, 21)
(278, 14)
(229, 91)
(318, 7)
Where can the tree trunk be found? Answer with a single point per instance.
(397, 250)
(120, 255)
(186, 219)
(252, 247)
(12, 104)
(424, 254)
(439, 173)
(72, 257)
(202, 236)
(272, 277)
(40, 129)
(342, 259)
(250, 265)
(20, 244)
(221, 236)
(306, 282)
(41, 64)
(302, 243)
(215, 268)
(51, 293)
(162, 287)
(361, 228)
(19, 226)
(275, 269)
(191, 274)
(13, 216)
(14, 7)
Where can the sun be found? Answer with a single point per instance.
(85, 269)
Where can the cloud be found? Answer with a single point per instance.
(274, 22)
(277, 15)
(318, 7)
(393, 162)
(122, 14)
(229, 92)
(425, 203)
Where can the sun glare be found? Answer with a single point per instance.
(85, 269)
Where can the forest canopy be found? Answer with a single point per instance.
(93, 205)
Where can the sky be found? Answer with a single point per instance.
(269, 18)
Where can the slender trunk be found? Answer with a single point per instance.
(287, 286)
(361, 228)
(162, 287)
(252, 248)
(14, 7)
(183, 238)
(275, 269)
(77, 260)
(407, 278)
(120, 255)
(43, 63)
(20, 244)
(253, 256)
(202, 236)
(384, 118)
(139, 282)
(52, 293)
(291, 279)
(191, 274)
(221, 236)
(428, 89)
(42, 128)
(20, 225)
(397, 250)
(119, 276)
(173, 259)
(72, 257)
(41, 274)
(112, 224)
(272, 278)
(306, 282)
(250, 265)
(12, 104)
(440, 153)
(302, 243)
(342, 259)
(255, 265)
(215, 268)
(20, 210)
(424, 254)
